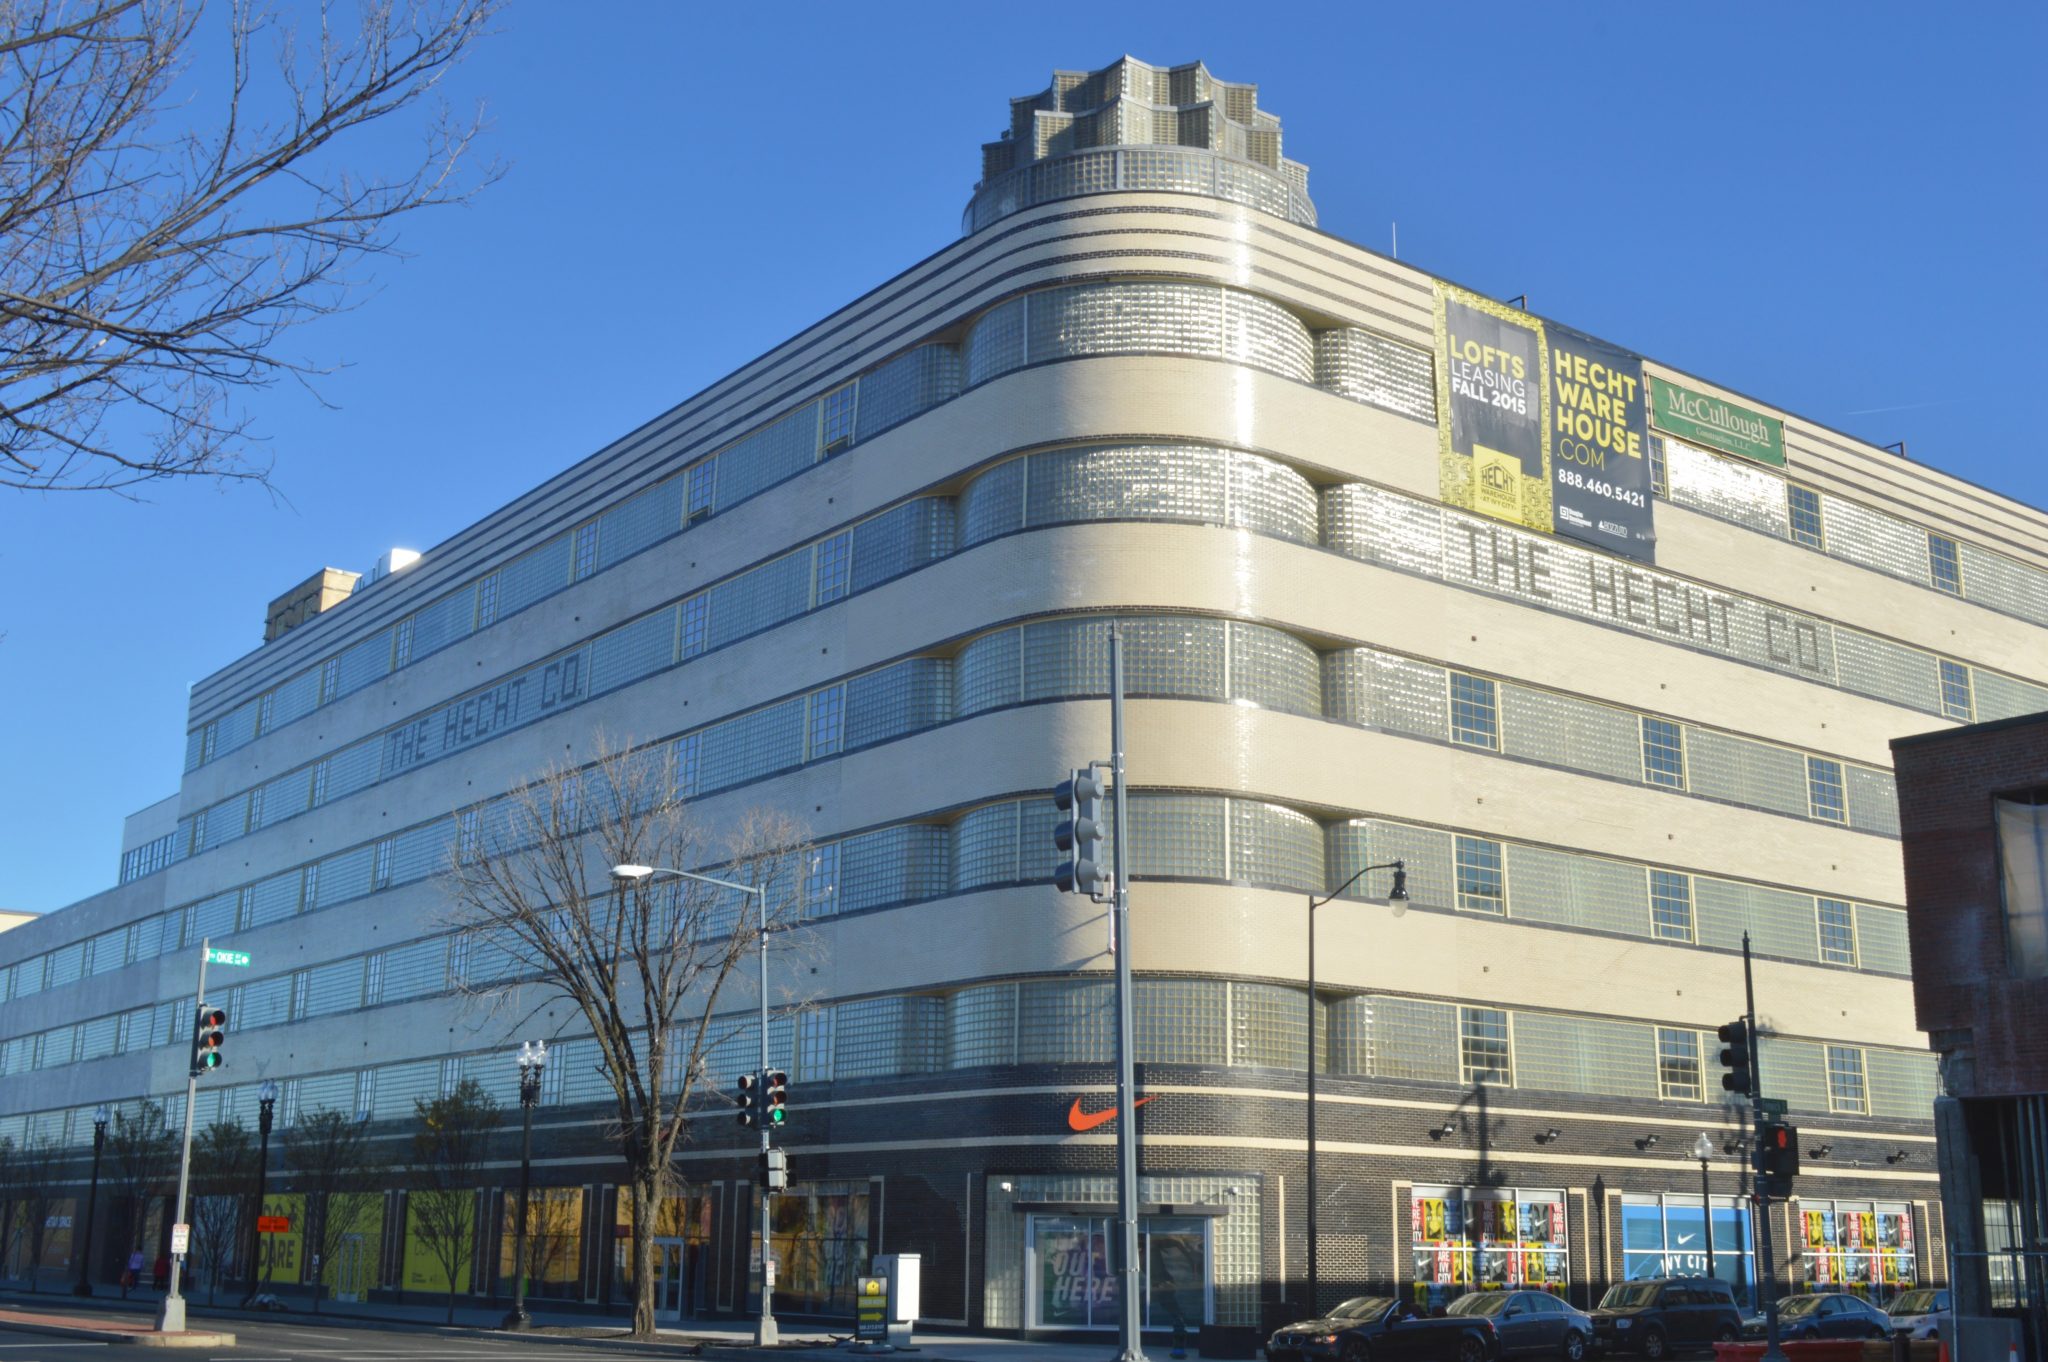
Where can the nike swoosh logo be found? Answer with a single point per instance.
(1081, 1120)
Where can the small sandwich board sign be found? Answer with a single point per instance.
(871, 1310)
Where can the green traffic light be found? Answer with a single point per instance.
(775, 1116)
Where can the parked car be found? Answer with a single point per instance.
(1382, 1329)
(1918, 1313)
(1831, 1314)
(1529, 1322)
(1654, 1316)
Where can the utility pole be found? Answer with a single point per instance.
(1129, 1321)
(170, 1316)
(1767, 1274)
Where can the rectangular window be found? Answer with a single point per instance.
(1660, 480)
(696, 624)
(468, 834)
(1481, 886)
(380, 870)
(586, 550)
(1475, 712)
(1837, 932)
(330, 679)
(1671, 905)
(828, 721)
(487, 602)
(401, 647)
(839, 404)
(1824, 790)
(1804, 504)
(2023, 866)
(1484, 1052)
(698, 495)
(265, 709)
(1663, 753)
(1944, 565)
(1955, 690)
(1845, 1079)
(686, 765)
(1678, 1065)
(209, 738)
(833, 561)
(821, 881)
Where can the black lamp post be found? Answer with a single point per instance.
(1703, 1149)
(1398, 894)
(92, 1202)
(533, 1060)
(266, 1104)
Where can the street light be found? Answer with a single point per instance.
(92, 1201)
(266, 1105)
(1703, 1149)
(533, 1059)
(766, 1335)
(1397, 896)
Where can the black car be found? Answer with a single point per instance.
(1531, 1322)
(1654, 1316)
(1382, 1329)
(1831, 1314)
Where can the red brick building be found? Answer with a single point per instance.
(1973, 813)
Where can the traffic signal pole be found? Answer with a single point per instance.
(766, 1334)
(1767, 1276)
(170, 1316)
(1129, 1319)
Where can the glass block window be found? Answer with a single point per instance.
(1475, 711)
(828, 721)
(1663, 753)
(1846, 1090)
(1484, 1050)
(1678, 1065)
(1837, 932)
(1671, 905)
(1481, 886)
(1824, 791)
(833, 562)
(1955, 690)
(1804, 504)
(1944, 566)
(839, 405)
(699, 491)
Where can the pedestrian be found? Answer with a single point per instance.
(133, 1274)
(163, 1270)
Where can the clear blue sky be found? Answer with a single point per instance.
(1837, 208)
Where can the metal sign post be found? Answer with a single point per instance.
(1130, 1298)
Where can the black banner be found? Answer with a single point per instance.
(1599, 445)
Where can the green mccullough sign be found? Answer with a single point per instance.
(1717, 423)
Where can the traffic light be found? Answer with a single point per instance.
(1741, 1076)
(746, 1099)
(776, 1096)
(775, 1169)
(1777, 1157)
(208, 1032)
(1079, 797)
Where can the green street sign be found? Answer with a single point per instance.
(220, 957)
(1770, 1106)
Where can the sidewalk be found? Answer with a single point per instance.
(112, 1328)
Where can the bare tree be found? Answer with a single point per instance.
(644, 969)
(223, 1169)
(142, 1158)
(336, 1169)
(155, 245)
(36, 1169)
(553, 1233)
(450, 1147)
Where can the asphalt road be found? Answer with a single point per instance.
(281, 1341)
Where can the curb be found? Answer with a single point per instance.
(190, 1338)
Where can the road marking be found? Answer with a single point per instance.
(92, 1343)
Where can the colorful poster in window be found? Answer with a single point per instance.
(1491, 393)
(1599, 445)
(1860, 1247)
(1485, 1240)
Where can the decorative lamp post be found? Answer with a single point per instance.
(266, 1106)
(533, 1060)
(1398, 895)
(92, 1202)
(1703, 1149)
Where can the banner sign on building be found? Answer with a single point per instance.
(1716, 423)
(1490, 397)
(1599, 432)
(1541, 426)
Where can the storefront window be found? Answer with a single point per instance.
(1482, 1239)
(1074, 1283)
(1859, 1246)
(1666, 1236)
(554, 1244)
(821, 1245)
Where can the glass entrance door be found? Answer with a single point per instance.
(671, 1287)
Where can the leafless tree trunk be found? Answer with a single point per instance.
(335, 1168)
(450, 1147)
(643, 968)
(142, 1158)
(223, 1167)
(35, 1170)
(157, 243)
